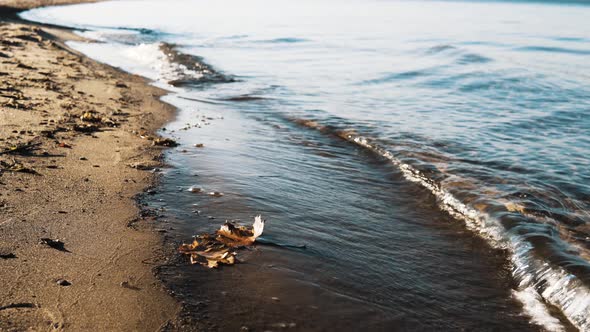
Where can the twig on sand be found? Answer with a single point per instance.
(18, 306)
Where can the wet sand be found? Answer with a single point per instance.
(75, 150)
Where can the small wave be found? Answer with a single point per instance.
(553, 284)
(536, 309)
(143, 31)
(204, 101)
(506, 84)
(553, 50)
(496, 82)
(542, 262)
(286, 40)
(484, 43)
(392, 77)
(244, 98)
(440, 49)
(162, 62)
(570, 39)
(470, 58)
(233, 37)
(462, 55)
(123, 35)
(191, 69)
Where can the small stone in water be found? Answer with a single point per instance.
(280, 325)
(195, 189)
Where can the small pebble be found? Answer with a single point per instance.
(63, 282)
(280, 325)
(195, 190)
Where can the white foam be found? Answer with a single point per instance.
(147, 60)
(553, 284)
(534, 307)
(561, 289)
(103, 35)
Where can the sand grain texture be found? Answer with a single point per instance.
(82, 193)
(28, 4)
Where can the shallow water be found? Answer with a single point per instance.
(432, 156)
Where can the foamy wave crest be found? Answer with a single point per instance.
(550, 284)
(145, 59)
(160, 62)
(191, 69)
(534, 306)
(475, 220)
(150, 55)
(539, 282)
(174, 67)
(541, 285)
(554, 285)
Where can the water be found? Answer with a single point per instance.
(432, 156)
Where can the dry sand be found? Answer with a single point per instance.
(27, 4)
(76, 187)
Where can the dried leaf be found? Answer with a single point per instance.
(213, 249)
(90, 117)
(235, 235)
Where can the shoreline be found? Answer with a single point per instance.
(201, 306)
(75, 251)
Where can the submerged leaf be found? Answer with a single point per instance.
(213, 249)
(235, 235)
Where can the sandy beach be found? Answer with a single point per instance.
(76, 147)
